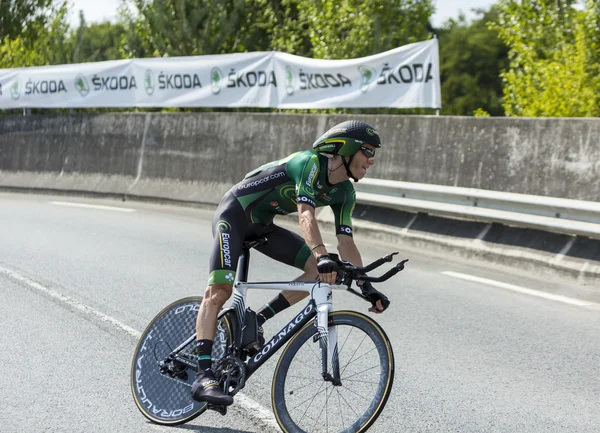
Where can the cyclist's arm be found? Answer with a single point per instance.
(348, 250)
(310, 229)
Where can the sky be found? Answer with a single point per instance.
(99, 10)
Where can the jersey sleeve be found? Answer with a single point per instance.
(304, 170)
(342, 212)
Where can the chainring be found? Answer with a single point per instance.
(232, 373)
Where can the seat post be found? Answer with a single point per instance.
(243, 265)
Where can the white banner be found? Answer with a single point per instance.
(406, 77)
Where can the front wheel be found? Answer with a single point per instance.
(304, 402)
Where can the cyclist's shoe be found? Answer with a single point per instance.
(206, 388)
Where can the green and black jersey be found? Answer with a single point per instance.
(277, 187)
(248, 209)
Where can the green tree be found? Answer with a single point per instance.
(23, 18)
(38, 40)
(356, 28)
(95, 42)
(472, 56)
(196, 27)
(553, 54)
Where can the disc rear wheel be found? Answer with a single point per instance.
(161, 379)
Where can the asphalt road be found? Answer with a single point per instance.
(78, 284)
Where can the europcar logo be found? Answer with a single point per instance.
(215, 79)
(289, 81)
(367, 76)
(371, 131)
(149, 82)
(81, 85)
(223, 226)
(15, 90)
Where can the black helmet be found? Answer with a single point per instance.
(346, 138)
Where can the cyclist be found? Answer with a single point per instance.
(301, 182)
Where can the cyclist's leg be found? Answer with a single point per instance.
(229, 226)
(287, 247)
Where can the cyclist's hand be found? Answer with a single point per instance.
(379, 301)
(327, 269)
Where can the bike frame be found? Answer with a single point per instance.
(320, 305)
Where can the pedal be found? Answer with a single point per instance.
(218, 408)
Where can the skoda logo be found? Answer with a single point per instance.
(215, 79)
(367, 76)
(289, 81)
(149, 82)
(15, 90)
(81, 85)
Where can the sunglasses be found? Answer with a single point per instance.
(369, 153)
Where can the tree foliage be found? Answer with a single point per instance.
(471, 59)
(553, 54)
(33, 33)
(323, 29)
(356, 28)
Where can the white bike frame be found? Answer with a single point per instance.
(320, 305)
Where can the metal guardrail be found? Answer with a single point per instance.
(573, 217)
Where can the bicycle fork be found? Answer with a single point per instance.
(328, 342)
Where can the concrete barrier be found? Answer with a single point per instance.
(196, 157)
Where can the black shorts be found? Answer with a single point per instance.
(231, 227)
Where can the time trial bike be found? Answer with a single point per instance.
(334, 375)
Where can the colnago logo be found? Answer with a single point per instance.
(284, 332)
(261, 181)
(311, 176)
(225, 252)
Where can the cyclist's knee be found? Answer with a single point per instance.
(217, 294)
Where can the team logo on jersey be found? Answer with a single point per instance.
(274, 204)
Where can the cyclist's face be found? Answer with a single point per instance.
(363, 160)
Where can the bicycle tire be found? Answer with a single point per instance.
(287, 389)
(164, 399)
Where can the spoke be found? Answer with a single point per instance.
(355, 393)
(359, 381)
(313, 397)
(304, 386)
(360, 372)
(346, 401)
(347, 336)
(350, 361)
(364, 354)
(324, 406)
(340, 404)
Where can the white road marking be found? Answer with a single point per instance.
(519, 289)
(92, 206)
(253, 409)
